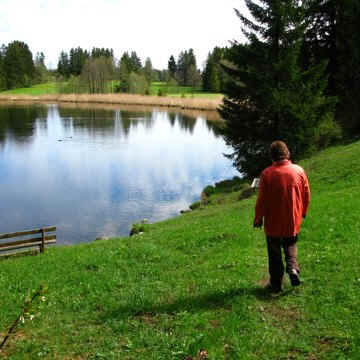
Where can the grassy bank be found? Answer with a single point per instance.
(191, 287)
(36, 90)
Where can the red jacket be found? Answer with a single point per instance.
(283, 199)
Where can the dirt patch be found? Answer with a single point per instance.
(287, 314)
(214, 323)
(263, 281)
(147, 318)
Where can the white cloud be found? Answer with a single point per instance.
(157, 29)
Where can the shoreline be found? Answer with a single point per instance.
(202, 104)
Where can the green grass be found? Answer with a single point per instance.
(176, 91)
(193, 284)
(184, 91)
(40, 89)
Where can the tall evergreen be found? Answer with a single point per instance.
(213, 77)
(347, 75)
(77, 60)
(148, 70)
(63, 67)
(186, 69)
(19, 65)
(2, 68)
(269, 96)
(135, 62)
(172, 68)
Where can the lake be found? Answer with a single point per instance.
(92, 171)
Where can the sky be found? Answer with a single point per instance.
(153, 28)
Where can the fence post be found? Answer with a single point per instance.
(42, 246)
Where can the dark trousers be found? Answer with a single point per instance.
(276, 266)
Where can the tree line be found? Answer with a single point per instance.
(296, 78)
(18, 68)
(82, 70)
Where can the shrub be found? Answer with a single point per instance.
(138, 228)
(162, 92)
(195, 205)
(209, 190)
(230, 185)
(327, 132)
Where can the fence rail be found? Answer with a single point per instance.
(40, 241)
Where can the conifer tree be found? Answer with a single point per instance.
(269, 96)
(19, 65)
(172, 68)
(2, 68)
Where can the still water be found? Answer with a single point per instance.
(94, 171)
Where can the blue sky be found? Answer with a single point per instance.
(155, 29)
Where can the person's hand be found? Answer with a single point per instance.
(258, 224)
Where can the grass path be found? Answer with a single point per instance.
(190, 287)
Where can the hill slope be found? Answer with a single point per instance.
(190, 287)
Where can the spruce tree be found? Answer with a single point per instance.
(172, 68)
(3, 82)
(269, 96)
(19, 65)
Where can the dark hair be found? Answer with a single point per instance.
(279, 151)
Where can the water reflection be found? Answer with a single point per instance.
(94, 171)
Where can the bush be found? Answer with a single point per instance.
(230, 185)
(327, 132)
(138, 228)
(138, 84)
(209, 190)
(195, 205)
(162, 92)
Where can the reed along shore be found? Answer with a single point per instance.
(193, 103)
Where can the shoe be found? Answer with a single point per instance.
(294, 278)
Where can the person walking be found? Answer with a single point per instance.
(282, 203)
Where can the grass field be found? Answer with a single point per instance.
(176, 91)
(192, 287)
(40, 89)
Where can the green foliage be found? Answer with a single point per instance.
(162, 92)
(96, 74)
(3, 82)
(172, 67)
(328, 132)
(138, 228)
(230, 185)
(213, 77)
(73, 63)
(148, 70)
(209, 190)
(195, 205)
(138, 84)
(72, 85)
(269, 96)
(187, 73)
(333, 36)
(18, 65)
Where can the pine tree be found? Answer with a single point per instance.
(148, 70)
(63, 67)
(3, 81)
(19, 65)
(172, 66)
(269, 96)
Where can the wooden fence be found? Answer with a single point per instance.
(41, 241)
